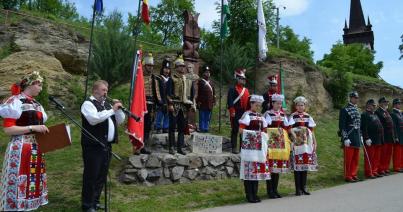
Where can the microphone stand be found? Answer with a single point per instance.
(106, 148)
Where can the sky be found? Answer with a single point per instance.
(322, 21)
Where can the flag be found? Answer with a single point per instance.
(262, 31)
(145, 14)
(225, 14)
(135, 130)
(98, 6)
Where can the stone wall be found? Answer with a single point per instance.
(163, 168)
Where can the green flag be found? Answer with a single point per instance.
(225, 14)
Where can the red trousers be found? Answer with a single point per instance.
(397, 157)
(351, 159)
(372, 160)
(386, 157)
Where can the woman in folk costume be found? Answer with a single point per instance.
(23, 183)
(252, 127)
(279, 144)
(304, 145)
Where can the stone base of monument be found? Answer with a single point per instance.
(211, 161)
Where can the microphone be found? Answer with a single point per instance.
(56, 102)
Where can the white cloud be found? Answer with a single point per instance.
(293, 7)
(208, 13)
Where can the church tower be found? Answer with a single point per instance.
(358, 31)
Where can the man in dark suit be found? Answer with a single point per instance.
(100, 119)
(205, 99)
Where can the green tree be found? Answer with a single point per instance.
(290, 41)
(113, 50)
(354, 58)
(339, 84)
(9, 4)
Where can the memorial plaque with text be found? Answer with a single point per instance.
(206, 143)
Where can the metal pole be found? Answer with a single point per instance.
(221, 58)
(136, 32)
(278, 26)
(89, 52)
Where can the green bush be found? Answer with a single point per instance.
(43, 96)
(339, 84)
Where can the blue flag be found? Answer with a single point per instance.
(98, 6)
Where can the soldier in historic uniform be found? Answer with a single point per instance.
(349, 128)
(178, 107)
(164, 81)
(398, 148)
(191, 81)
(152, 94)
(388, 136)
(237, 102)
(372, 133)
(273, 89)
(205, 99)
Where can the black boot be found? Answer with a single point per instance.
(181, 143)
(255, 190)
(171, 141)
(304, 176)
(275, 179)
(269, 188)
(297, 180)
(234, 142)
(249, 191)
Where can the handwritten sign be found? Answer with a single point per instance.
(205, 143)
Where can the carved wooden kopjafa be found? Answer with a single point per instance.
(191, 39)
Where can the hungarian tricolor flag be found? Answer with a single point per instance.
(138, 108)
(145, 14)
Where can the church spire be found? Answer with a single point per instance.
(357, 20)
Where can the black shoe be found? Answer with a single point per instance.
(298, 193)
(277, 194)
(89, 210)
(145, 151)
(99, 207)
(171, 151)
(180, 151)
(165, 131)
(305, 192)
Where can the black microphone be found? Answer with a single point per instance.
(56, 102)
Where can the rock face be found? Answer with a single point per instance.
(298, 77)
(70, 48)
(17, 64)
(371, 90)
(187, 168)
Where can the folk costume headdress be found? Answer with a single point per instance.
(300, 99)
(26, 80)
(277, 98)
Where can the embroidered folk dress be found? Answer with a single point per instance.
(304, 155)
(23, 184)
(252, 170)
(279, 142)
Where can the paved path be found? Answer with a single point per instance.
(383, 194)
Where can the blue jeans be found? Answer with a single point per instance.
(161, 119)
(204, 120)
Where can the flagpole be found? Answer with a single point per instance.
(136, 32)
(221, 67)
(89, 52)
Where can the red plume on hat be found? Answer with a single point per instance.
(273, 79)
(240, 73)
(15, 89)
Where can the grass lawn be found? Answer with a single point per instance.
(64, 170)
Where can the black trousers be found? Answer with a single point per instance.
(148, 121)
(96, 164)
(235, 131)
(177, 122)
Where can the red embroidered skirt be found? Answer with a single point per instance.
(23, 182)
